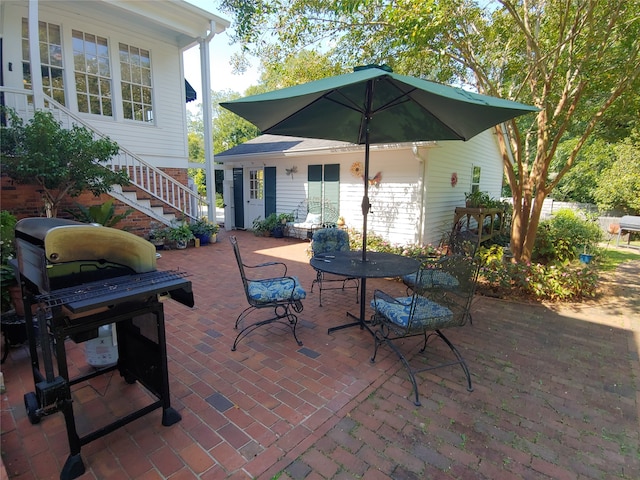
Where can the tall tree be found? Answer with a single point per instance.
(574, 59)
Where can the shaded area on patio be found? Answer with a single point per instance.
(556, 392)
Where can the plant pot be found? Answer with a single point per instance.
(278, 232)
(204, 239)
(585, 257)
(181, 244)
(213, 238)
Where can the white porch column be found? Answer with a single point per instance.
(34, 56)
(205, 69)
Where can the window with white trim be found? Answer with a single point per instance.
(50, 59)
(475, 180)
(256, 184)
(137, 94)
(92, 70)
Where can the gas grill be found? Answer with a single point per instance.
(76, 278)
(628, 224)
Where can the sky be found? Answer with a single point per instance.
(222, 77)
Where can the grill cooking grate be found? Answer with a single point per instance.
(124, 286)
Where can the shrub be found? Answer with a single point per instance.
(564, 236)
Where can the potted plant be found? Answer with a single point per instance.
(180, 234)
(157, 235)
(278, 230)
(204, 230)
(477, 199)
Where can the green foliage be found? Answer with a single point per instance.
(569, 281)
(204, 227)
(180, 231)
(103, 214)
(564, 236)
(619, 184)
(545, 53)
(7, 252)
(376, 243)
(61, 161)
(580, 182)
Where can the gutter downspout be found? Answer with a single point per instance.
(34, 56)
(207, 120)
(415, 149)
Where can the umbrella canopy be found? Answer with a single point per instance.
(374, 105)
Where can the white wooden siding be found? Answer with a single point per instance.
(414, 202)
(164, 143)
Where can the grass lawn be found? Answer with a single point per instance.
(614, 256)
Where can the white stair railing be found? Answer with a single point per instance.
(144, 176)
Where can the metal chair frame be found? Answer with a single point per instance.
(322, 278)
(431, 309)
(283, 306)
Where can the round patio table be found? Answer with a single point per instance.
(376, 265)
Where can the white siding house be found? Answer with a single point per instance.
(115, 66)
(414, 201)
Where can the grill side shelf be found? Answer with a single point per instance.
(111, 291)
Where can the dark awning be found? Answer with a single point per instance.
(190, 93)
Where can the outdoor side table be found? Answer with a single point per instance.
(376, 265)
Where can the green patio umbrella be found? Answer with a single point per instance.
(373, 105)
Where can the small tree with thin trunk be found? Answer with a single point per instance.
(60, 161)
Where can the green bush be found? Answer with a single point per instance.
(563, 237)
(562, 281)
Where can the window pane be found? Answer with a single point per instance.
(44, 53)
(128, 110)
(78, 63)
(83, 103)
(90, 44)
(146, 96)
(105, 88)
(103, 66)
(106, 108)
(78, 43)
(146, 77)
(55, 53)
(92, 64)
(25, 50)
(92, 83)
(103, 49)
(136, 77)
(145, 61)
(126, 72)
(54, 34)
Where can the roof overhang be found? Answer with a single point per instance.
(177, 20)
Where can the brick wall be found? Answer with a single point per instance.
(26, 201)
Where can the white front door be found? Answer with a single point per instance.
(254, 199)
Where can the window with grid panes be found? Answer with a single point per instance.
(256, 184)
(137, 98)
(50, 59)
(92, 70)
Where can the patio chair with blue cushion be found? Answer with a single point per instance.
(283, 293)
(431, 308)
(324, 242)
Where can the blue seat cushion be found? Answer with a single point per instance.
(276, 290)
(427, 313)
(432, 278)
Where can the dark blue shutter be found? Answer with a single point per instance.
(331, 203)
(269, 191)
(238, 197)
(314, 178)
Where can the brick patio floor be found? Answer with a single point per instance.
(556, 394)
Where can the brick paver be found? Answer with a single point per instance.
(556, 392)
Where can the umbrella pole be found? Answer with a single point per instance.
(366, 206)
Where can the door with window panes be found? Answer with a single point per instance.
(253, 195)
